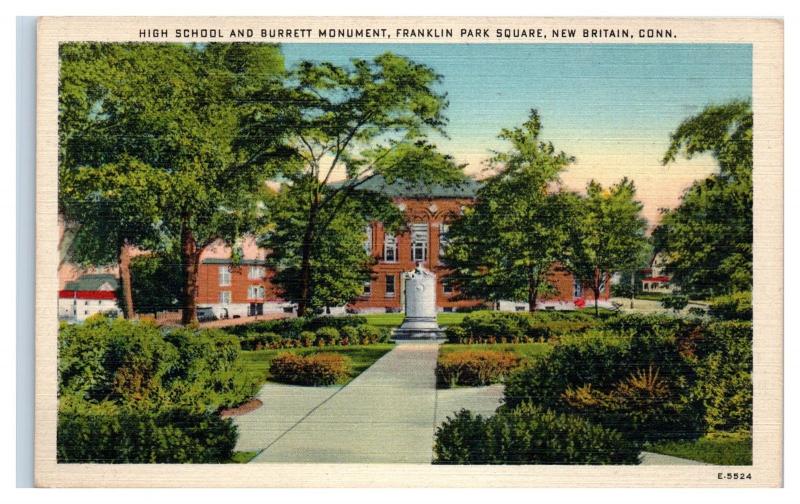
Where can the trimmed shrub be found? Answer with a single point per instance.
(314, 370)
(330, 335)
(529, 435)
(307, 338)
(349, 335)
(474, 367)
(256, 341)
(675, 302)
(497, 327)
(112, 435)
(737, 306)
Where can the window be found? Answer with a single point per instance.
(443, 230)
(419, 242)
(255, 273)
(224, 276)
(225, 297)
(390, 248)
(255, 292)
(577, 288)
(447, 287)
(367, 289)
(368, 242)
(389, 285)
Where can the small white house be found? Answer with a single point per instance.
(86, 296)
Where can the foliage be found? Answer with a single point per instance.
(322, 331)
(505, 246)
(675, 302)
(369, 119)
(637, 383)
(157, 282)
(292, 327)
(153, 148)
(474, 367)
(132, 363)
(529, 435)
(330, 335)
(515, 327)
(314, 370)
(127, 435)
(737, 306)
(707, 241)
(606, 234)
(724, 376)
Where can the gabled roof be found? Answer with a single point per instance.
(400, 188)
(93, 282)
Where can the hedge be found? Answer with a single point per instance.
(529, 434)
(322, 331)
(119, 436)
(474, 367)
(313, 370)
(516, 327)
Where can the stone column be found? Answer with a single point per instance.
(420, 306)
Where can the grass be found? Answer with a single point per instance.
(523, 350)
(731, 449)
(243, 457)
(361, 357)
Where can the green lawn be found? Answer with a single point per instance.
(718, 450)
(361, 357)
(243, 457)
(395, 319)
(523, 350)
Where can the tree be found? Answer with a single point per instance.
(505, 246)
(339, 262)
(607, 234)
(707, 241)
(177, 110)
(157, 282)
(359, 121)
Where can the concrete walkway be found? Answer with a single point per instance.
(386, 414)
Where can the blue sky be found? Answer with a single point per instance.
(610, 105)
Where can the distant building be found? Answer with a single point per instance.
(655, 277)
(88, 295)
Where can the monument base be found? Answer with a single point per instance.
(422, 328)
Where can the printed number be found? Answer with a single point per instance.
(734, 476)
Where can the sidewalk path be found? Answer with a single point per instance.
(386, 414)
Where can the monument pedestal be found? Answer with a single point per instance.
(420, 307)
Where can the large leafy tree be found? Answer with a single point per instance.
(505, 246)
(350, 124)
(607, 234)
(178, 111)
(707, 241)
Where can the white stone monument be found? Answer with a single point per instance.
(420, 306)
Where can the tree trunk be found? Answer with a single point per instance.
(533, 291)
(633, 286)
(596, 290)
(190, 257)
(305, 264)
(125, 280)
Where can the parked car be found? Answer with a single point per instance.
(205, 314)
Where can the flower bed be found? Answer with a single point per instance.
(313, 370)
(474, 367)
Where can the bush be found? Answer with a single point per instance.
(350, 335)
(737, 306)
(256, 341)
(637, 383)
(314, 370)
(474, 367)
(529, 435)
(136, 363)
(675, 302)
(107, 434)
(330, 335)
(495, 326)
(724, 376)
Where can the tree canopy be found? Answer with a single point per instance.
(707, 241)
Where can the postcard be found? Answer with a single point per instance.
(423, 252)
